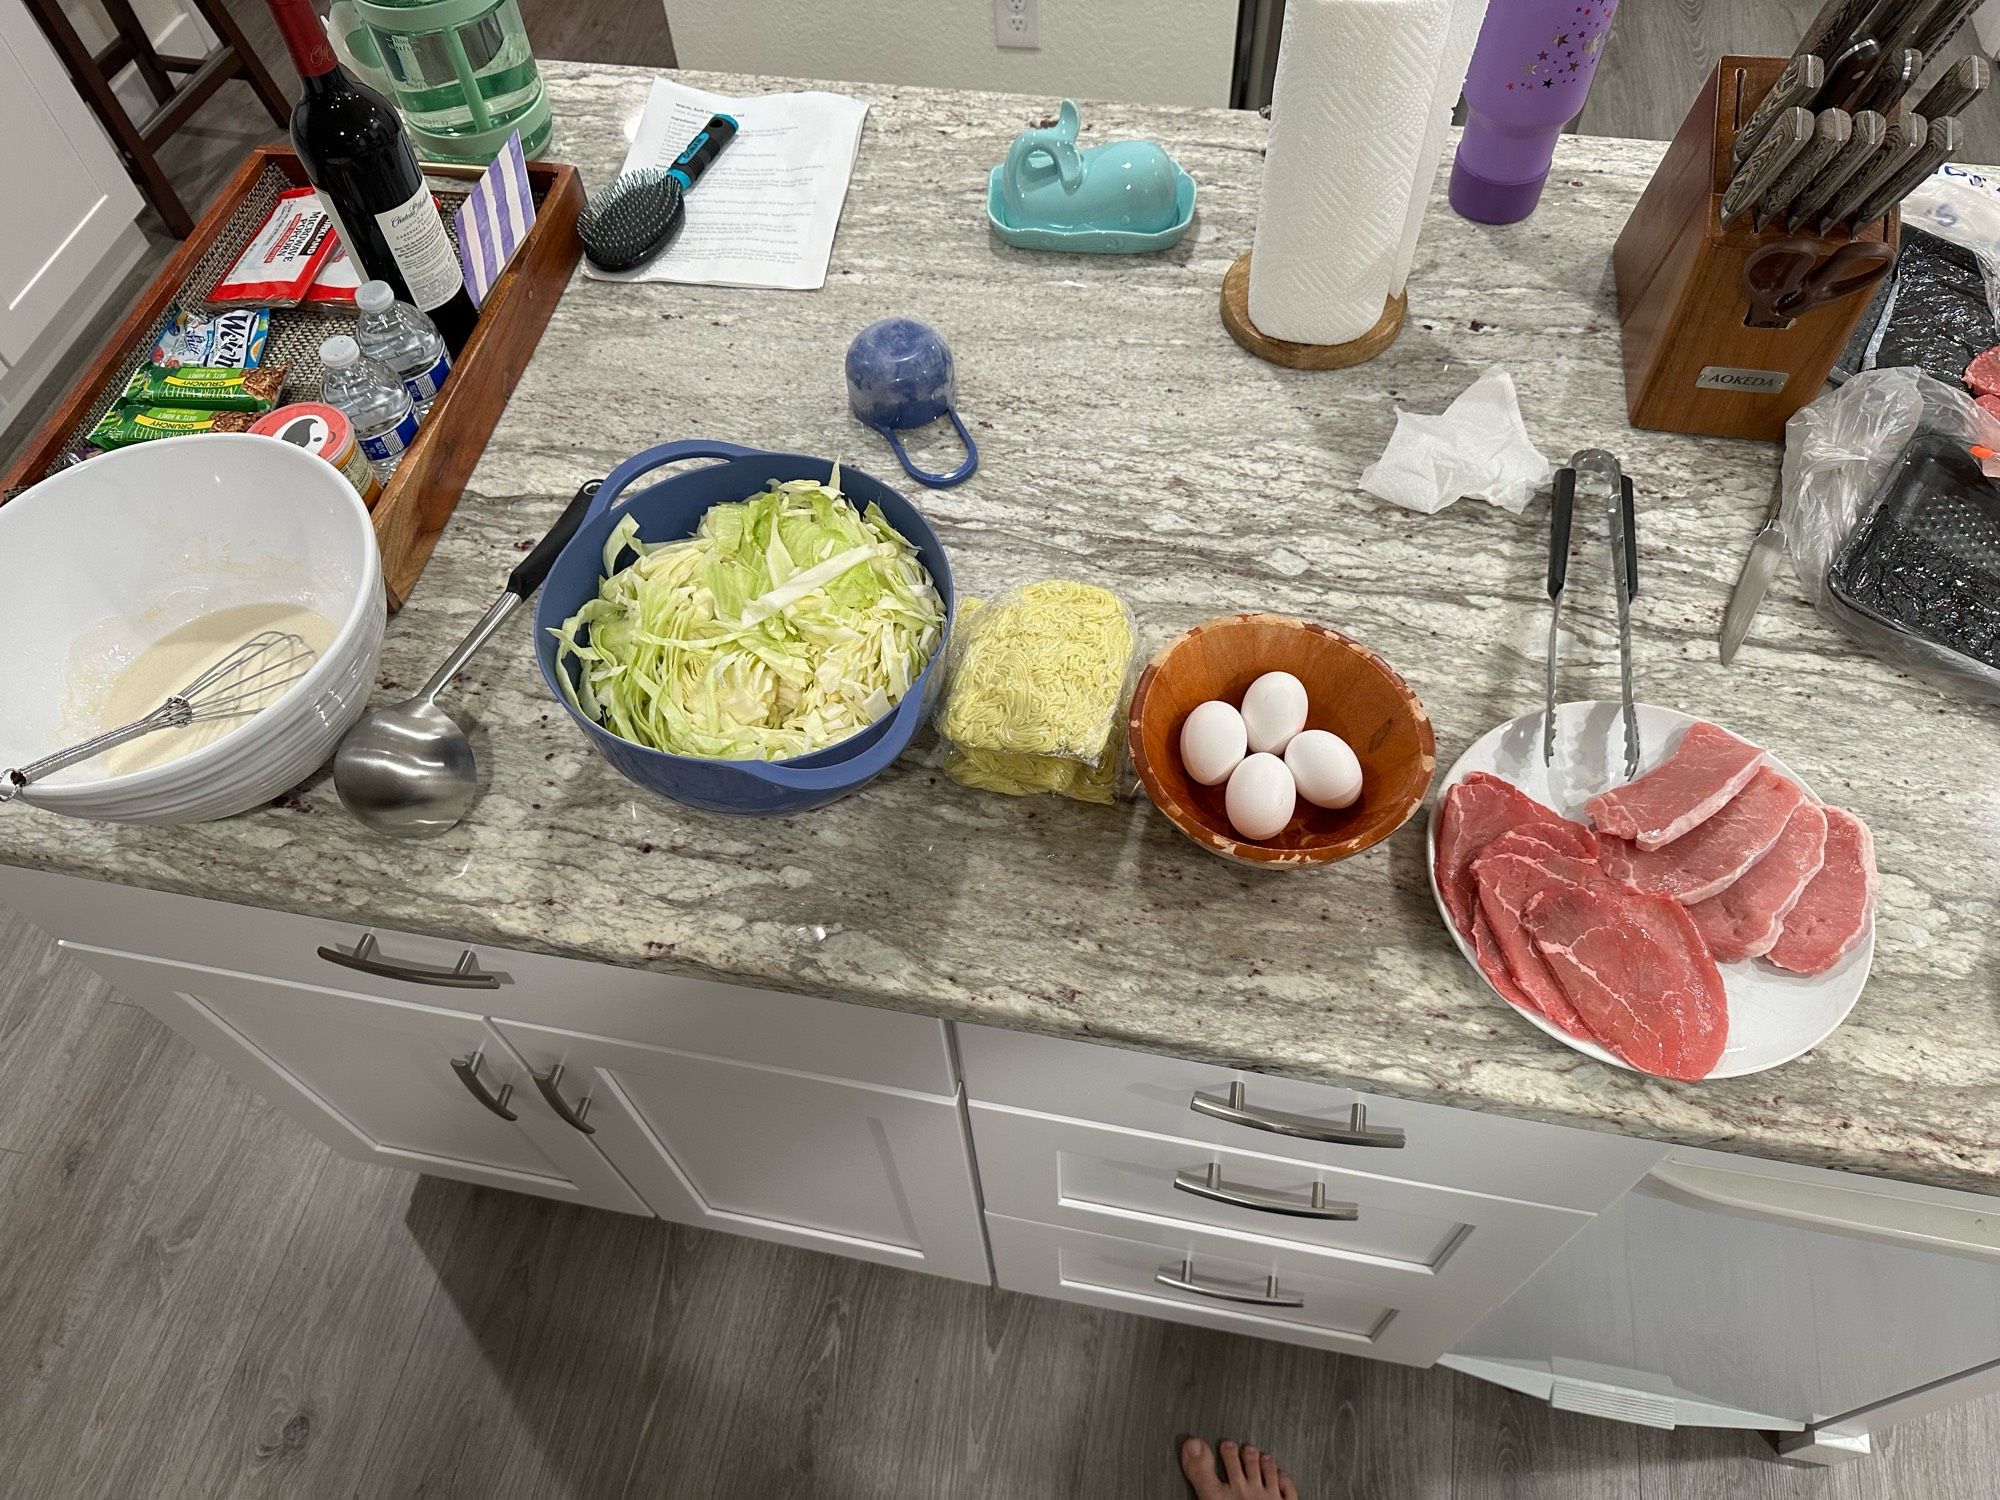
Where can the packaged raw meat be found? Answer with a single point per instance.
(1709, 858)
(1707, 768)
(1834, 913)
(1745, 920)
(1657, 1003)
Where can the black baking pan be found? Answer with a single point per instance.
(1925, 560)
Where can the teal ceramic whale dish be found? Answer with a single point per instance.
(1120, 198)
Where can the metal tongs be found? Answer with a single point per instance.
(1603, 477)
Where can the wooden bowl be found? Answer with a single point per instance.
(1349, 690)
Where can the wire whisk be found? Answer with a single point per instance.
(247, 680)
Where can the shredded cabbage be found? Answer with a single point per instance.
(787, 622)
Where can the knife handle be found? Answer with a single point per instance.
(1628, 518)
(1562, 505)
(1804, 77)
(1832, 27)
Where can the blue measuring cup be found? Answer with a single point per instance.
(899, 376)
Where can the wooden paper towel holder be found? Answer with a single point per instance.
(1236, 318)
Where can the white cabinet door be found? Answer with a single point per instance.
(881, 1174)
(379, 1080)
(68, 195)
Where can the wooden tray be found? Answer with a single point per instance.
(417, 502)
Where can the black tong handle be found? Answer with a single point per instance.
(1562, 505)
(1628, 514)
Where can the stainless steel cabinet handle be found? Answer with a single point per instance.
(1186, 1281)
(1356, 1132)
(1209, 1184)
(465, 975)
(550, 1083)
(467, 1069)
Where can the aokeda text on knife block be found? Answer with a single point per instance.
(1692, 362)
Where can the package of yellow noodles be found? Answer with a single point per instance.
(1038, 688)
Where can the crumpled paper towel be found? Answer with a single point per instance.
(1477, 447)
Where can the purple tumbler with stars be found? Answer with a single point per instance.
(1529, 75)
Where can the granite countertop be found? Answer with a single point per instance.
(1127, 441)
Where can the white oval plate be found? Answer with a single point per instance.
(1773, 1016)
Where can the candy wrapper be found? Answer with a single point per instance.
(277, 268)
(231, 340)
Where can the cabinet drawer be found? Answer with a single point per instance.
(1410, 1237)
(1124, 1273)
(1456, 1148)
(701, 1016)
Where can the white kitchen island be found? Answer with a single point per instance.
(1000, 1040)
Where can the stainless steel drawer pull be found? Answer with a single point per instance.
(550, 1083)
(467, 1069)
(1210, 1185)
(1356, 1132)
(1186, 1281)
(464, 975)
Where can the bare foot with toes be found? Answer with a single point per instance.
(1243, 1473)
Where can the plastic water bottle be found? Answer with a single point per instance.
(403, 339)
(372, 398)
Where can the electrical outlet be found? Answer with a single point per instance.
(1017, 24)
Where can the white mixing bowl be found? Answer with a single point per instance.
(103, 559)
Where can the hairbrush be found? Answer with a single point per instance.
(631, 218)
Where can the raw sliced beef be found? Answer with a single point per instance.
(1983, 374)
(1708, 859)
(1745, 920)
(1508, 879)
(1835, 910)
(1476, 812)
(1657, 1003)
(1493, 964)
(1707, 768)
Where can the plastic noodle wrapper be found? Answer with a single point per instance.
(1893, 523)
(1040, 676)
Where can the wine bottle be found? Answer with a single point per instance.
(358, 156)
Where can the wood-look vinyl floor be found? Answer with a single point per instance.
(198, 1299)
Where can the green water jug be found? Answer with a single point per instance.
(460, 71)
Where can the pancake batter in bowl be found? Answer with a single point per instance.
(180, 656)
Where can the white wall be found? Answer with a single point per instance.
(1145, 51)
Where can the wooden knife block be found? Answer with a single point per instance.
(1691, 364)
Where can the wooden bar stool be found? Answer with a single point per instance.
(233, 57)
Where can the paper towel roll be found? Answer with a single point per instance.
(1352, 132)
(1461, 36)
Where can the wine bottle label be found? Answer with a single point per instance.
(391, 441)
(423, 250)
(427, 383)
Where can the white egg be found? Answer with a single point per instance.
(1261, 796)
(1274, 709)
(1324, 767)
(1212, 740)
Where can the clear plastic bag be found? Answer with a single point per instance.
(1893, 528)
(1936, 309)
(1035, 702)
